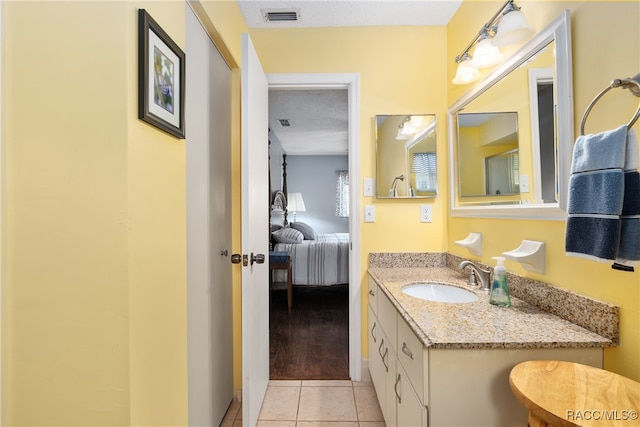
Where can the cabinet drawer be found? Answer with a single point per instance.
(373, 295)
(411, 355)
(387, 317)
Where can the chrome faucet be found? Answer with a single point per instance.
(483, 275)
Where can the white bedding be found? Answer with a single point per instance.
(320, 262)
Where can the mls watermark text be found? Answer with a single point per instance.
(602, 415)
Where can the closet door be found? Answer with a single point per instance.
(208, 150)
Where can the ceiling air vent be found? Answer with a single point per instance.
(284, 123)
(280, 15)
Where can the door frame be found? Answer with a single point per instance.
(350, 82)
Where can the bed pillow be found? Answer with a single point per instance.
(306, 230)
(287, 235)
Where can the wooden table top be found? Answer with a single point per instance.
(570, 394)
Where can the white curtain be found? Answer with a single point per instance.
(424, 166)
(342, 194)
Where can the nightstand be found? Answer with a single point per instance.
(281, 261)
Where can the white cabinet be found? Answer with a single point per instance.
(409, 410)
(419, 386)
(398, 400)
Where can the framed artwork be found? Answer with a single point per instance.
(161, 77)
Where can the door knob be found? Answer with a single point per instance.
(259, 258)
(236, 258)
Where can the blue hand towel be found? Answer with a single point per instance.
(629, 247)
(596, 195)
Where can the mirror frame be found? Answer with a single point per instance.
(559, 31)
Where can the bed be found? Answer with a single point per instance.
(316, 259)
(323, 261)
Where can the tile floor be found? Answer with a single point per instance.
(314, 404)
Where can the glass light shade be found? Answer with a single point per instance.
(486, 54)
(512, 29)
(466, 73)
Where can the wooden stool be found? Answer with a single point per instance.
(566, 394)
(281, 261)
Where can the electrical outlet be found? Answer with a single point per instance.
(369, 213)
(369, 185)
(425, 213)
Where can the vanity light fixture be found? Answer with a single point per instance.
(410, 126)
(507, 27)
(486, 54)
(466, 72)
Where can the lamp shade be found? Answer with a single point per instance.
(486, 54)
(512, 29)
(466, 73)
(295, 203)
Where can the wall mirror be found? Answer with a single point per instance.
(511, 135)
(406, 156)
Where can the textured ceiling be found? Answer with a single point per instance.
(319, 118)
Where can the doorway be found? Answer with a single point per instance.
(350, 83)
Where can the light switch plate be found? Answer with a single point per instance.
(369, 185)
(425, 213)
(369, 213)
(524, 183)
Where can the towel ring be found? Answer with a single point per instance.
(625, 84)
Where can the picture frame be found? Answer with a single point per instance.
(161, 77)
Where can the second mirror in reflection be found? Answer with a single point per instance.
(406, 156)
(488, 154)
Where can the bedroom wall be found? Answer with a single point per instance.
(315, 178)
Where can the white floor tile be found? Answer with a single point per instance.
(367, 404)
(280, 403)
(327, 404)
(326, 383)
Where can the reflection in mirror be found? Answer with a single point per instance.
(406, 156)
(488, 161)
(511, 135)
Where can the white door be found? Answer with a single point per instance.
(255, 233)
(209, 288)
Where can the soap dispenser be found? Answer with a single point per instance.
(499, 289)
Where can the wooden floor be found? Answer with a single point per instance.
(312, 342)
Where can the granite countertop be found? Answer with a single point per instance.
(477, 324)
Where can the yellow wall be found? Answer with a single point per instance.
(94, 326)
(618, 55)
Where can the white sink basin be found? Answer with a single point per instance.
(439, 292)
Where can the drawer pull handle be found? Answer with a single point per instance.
(380, 348)
(373, 329)
(395, 388)
(373, 294)
(386, 353)
(405, 350)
